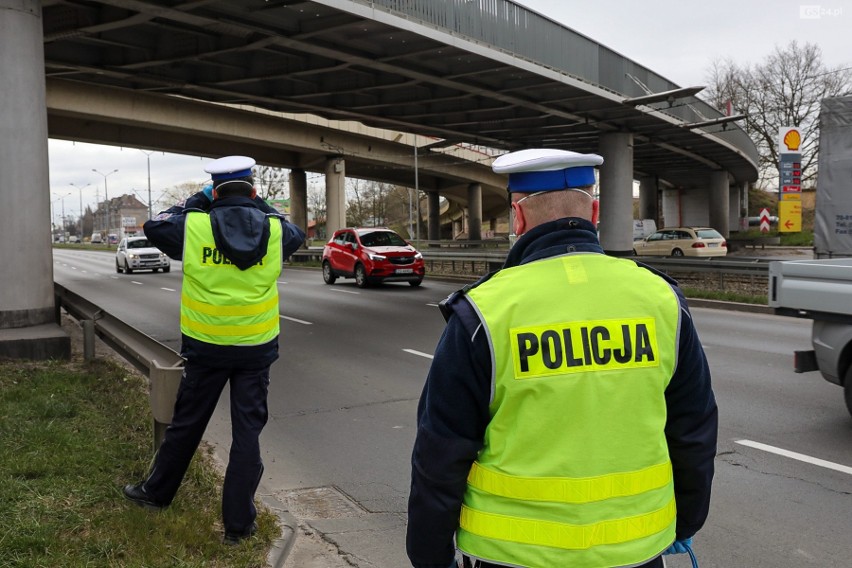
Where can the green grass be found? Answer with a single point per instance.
(805, 238)
(724, 296)
(73, 434)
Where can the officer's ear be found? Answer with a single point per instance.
(253, 192)
(519, 223)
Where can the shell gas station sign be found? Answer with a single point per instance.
(789, 179)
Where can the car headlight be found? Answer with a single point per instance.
(163, 255)
(131, 255)
(373, 256)
(417, 256)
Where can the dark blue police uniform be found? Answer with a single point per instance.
(210, 367)
(454, 411)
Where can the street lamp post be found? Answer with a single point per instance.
(62, 199)
(148, 156)
(106, 194)
(80, 189)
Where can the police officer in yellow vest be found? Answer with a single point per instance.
(568, 418)
(232, 245)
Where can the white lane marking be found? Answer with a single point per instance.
(296, 320)
(135, 282)
(419, 353)
(169, 289)
(114, 277)
(796, 456)
(344, 291)
(433, 305)
(282, 281)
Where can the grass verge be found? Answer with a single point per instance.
(724, 296)
(73, 434)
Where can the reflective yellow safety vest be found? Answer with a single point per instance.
(220, 303)
(575, 469)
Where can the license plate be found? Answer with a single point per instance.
(404, 270)
(714, 244)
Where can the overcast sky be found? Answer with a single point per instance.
(677, 39)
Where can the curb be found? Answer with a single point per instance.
(281, 546)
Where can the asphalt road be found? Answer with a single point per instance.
(344, 393)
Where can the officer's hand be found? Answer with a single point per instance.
(679, 546)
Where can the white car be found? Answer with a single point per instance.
(137, 253)
(682, 241)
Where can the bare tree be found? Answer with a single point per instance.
(784, 90)
(368, 202)
(271, 183)
(317, 207)
(178, 193)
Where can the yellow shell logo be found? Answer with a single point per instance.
(792, 140)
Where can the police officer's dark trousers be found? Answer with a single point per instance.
(198, 394)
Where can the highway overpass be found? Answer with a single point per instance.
(482, 72)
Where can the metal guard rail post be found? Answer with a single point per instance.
(162, 365)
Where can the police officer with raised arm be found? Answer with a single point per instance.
(568, 418)
(232, 245)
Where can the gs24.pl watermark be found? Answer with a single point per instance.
(816, 11)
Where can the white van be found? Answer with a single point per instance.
(97, 239)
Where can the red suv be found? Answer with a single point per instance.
(371, 255)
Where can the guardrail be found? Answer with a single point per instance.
(162, 365)
(473, 264)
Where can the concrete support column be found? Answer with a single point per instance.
(649, 199)
(616, 193)
(299, 199)
(28, 328)
(743, 212)
(433, 205)
(474, 209)
(717, 206)
(335, 194)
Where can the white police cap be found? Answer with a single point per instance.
(230, 167)
(547, 169)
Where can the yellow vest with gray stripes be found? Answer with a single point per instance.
(220, 303)
(575, 469)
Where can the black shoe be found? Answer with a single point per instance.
(138, 495)
(233, 538)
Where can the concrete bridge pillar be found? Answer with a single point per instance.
(718, 205)
(335, 194)
(433, 206)
(28, 328)
(474, 209)
(649, 198)
(616, 193)
(299, 198)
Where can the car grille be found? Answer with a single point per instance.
(401, 259)
(149, 256)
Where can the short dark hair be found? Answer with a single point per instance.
(234, 187)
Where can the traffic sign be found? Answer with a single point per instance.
(764, 220)
(789, 216)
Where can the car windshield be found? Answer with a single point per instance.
(138, 244)
(708, 234)
(382, 239)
